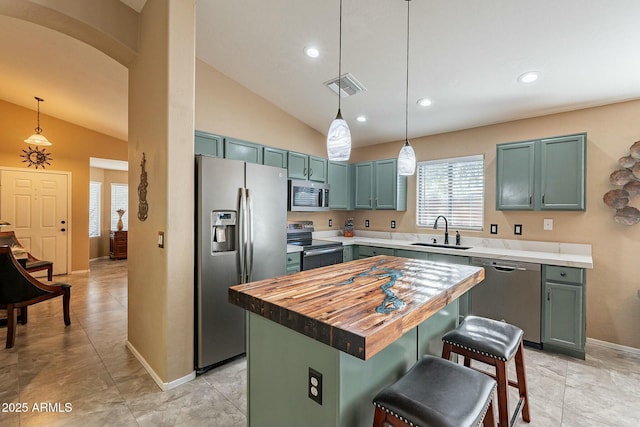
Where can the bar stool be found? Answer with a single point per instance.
(436, 393)
(495, 343)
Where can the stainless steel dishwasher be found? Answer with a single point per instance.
(511, 291)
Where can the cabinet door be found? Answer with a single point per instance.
(317, 169)
(515, 176)
(242, 150)
(563, 172)
(297, 165)
(369, 251)
(364, 185)
(274, 157)
(339, 179)
(563, 315)
(386, 184)
(404, 253)
(208, 144)
(293, 262)
(347, 253)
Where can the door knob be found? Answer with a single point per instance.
(63, 222)
(63, 229)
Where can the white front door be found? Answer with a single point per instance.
(36, 205)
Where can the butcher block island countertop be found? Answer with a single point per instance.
(359, 307)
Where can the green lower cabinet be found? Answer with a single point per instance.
(278, 362)
(347, 253)
(412, 254)
(369, 251)
(563, 316)
(293, 262)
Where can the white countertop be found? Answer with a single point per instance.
(550, 253)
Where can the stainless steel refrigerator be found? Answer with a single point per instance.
(241, 223)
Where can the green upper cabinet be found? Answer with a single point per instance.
(378, 186)
(274, 157)
(563, 173)
(515, 176)
(208, 144)
(340, 188)
(236, 149)
(546, 174)
(303, 166)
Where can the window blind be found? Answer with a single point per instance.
(94, 208)
(453, 188)
(119, 200)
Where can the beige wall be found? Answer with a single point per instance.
(613, 308)
(99, 246)
(72, 147)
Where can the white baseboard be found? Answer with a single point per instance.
(632, 350)
(164, 386)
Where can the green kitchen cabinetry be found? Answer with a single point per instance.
(378, 186)
(293, 262)
(340, 188)
(304, 166)
(208, 144)
(236, 149)
(274, 157)
(563, 310)
(544, 174)
(369, 251)
(347, 253)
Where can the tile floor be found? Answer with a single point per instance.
(88, 367)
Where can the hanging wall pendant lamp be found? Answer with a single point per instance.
(339, 136)
(37, 138)
(407, 157)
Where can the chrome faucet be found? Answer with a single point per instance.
(446, 228)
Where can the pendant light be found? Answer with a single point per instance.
(339, 136)
(407, 157)
(37, 138)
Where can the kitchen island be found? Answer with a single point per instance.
(360, 325)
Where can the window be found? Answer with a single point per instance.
(453, 188)
(119, 200)
(94, 208)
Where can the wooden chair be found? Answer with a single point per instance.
(18, 289)
(33, 264)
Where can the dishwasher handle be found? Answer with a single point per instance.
(508, 268)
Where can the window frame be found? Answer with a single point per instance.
(98, 208)
(453, 215)
(113, 217)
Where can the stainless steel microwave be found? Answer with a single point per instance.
(307, 196)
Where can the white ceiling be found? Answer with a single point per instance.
(465, 56)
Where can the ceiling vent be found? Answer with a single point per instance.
(348, 85)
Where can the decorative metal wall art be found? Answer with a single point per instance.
(143, 206)
(36, 157)
(629, 179)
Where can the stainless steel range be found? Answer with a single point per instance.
(315, 253)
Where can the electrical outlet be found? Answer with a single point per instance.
(330, 222)
(494, 228)
(315, 386)
(393, 224)
(517, 229)
(366, 223)
(548, 224)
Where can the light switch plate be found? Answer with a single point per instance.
(494, 229)
(517, 229)
(548, 224)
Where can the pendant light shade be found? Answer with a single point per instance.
(406, 160)
(339, 135)
(407, 157)
(37, 138)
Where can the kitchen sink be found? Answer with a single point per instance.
(438, 245)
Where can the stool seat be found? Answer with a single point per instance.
(438, 393)
(488, 337)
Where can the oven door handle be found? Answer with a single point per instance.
(313, 252)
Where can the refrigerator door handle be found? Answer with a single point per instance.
(242, 235)
(250, 236)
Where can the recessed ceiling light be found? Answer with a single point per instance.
(312, 52)
(529, 77)
(361, 119)
(424, 102)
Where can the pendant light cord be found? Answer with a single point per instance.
(340, 60)
(38, 129)
(406, 96)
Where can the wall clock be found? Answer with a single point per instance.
(36, 157)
